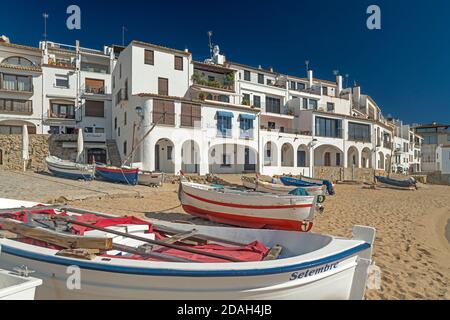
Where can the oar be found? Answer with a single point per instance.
(154, 242)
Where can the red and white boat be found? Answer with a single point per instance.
(248, 208)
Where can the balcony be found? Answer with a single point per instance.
(287, 130)
(315, 89)
(95, 90)
(61, 63)
(12, 106)
(214, 84)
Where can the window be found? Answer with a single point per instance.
(326, 127)
(260, 78)
(301, 158)
(257, 102)
(62, 110)
(16, 106)
(16, 83)
(94, 67)
(271, 125)
(226, 160)
(246, 126)
(94, 109)
(325, 91)
(330, 106)
(223, 98)
(163, 86)
(269, 82)
(358, 132)
(62, 81)
(54, 130)
(246, 99)
(338, 159)
(292, 83)
(273, 105)
(190, 115)
(246, 75)
(163, 112)
(178, 63)
(125, 147)
(149, 57)
(99, 130)
(224, 124)
(169, 152)
(10, 130)
(211, 78)
(125, 118)
(305, 103)
(312, 104)
(115, 123)
(327, 159)
(118, 131)
(113, 82)
(300, 86)
(120, 71)
(88, 130)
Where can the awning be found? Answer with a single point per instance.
(226, 114)
(247, 116)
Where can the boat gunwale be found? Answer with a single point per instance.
(250, 271)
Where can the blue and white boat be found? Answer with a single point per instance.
(117, 174)
(309, 266)
(69, 169)
(290, 181)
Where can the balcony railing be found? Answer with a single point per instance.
(95, 90)
(287, 130)
(16, 106)
(59, 115)
(61, 63)
(214, 84)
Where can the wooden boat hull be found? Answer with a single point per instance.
(113, 174)
(311, 266)
(267, 187)
(70, 170)
(257, 210)
(150, 178)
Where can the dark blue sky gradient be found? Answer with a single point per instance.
(405, 66)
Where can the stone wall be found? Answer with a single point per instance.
(438, 178)
(348, 174)
(40, 146)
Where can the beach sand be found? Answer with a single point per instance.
(410, 247)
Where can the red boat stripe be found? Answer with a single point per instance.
(116, 170)
(245, 221)
(235, 205)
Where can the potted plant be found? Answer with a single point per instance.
(202, 96)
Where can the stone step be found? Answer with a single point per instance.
(113, 153)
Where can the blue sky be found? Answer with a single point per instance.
(404, 66)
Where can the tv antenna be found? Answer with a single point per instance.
(210, 33)
(45, 16)
(123, 35)
(307, 65)
(336, 72)
(346, 80)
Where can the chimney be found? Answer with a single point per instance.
(339, 85)
(271, 69)
(310, 78)
(356, 94)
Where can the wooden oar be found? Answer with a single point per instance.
(154, 242)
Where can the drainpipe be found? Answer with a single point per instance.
(259, 144)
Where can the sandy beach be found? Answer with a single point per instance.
(411, 247)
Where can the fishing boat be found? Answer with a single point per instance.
(264, 186)
(290, 181)
(149, 178)
(69, 169)
(17, 285)
(117, 174)
(222, 263)
(409, 184)
(247, 208)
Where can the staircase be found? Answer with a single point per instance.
(113, 153)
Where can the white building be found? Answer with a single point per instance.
(214, 116)
(407, 145)
(443, 159)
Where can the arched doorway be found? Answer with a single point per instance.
(366, 158)
(270, 154)
(328, 156)
(287, 155)
(302, 156)
(164, 156)
(190, 157)
(380, 160)
(352, 157)
(232, 158)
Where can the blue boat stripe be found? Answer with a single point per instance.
(184, 273)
